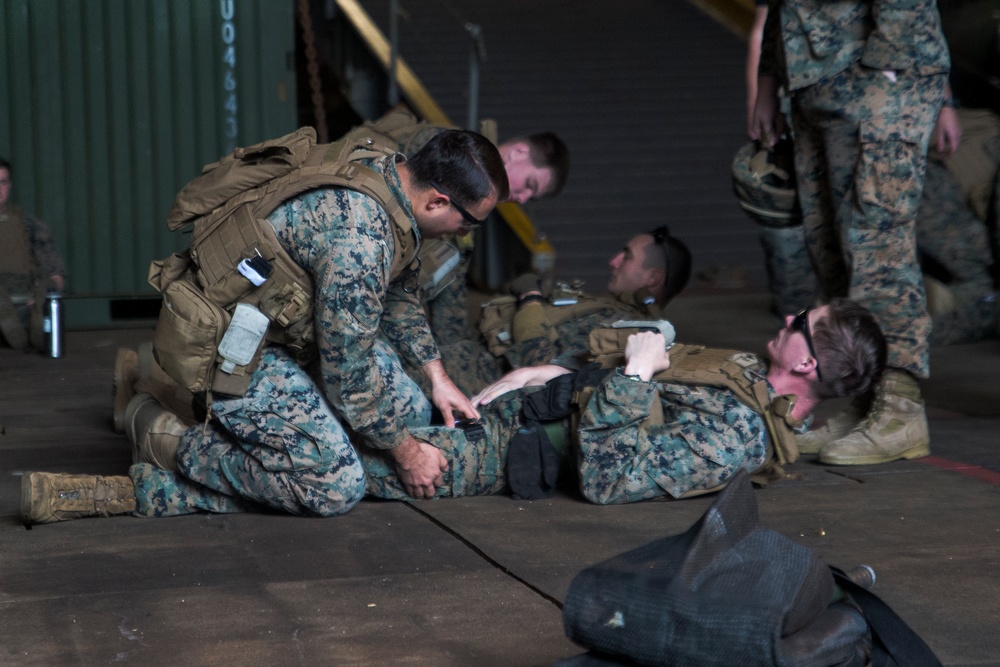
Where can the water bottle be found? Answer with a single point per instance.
(52, 325)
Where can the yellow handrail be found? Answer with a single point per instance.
(422, 102)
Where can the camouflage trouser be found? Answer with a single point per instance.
(280, 446)
(476, 465)
(860, 151)
(790, 274)
(954, 248)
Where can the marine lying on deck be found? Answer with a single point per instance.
(647, 421)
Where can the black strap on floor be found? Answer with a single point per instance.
(894, 643)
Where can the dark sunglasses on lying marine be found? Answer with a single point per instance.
(800, 323)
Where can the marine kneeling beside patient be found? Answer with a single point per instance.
(645, 418)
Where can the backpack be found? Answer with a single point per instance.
(236, 288)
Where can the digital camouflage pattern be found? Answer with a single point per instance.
(345, 240)
(476, 466)
(952, 244)
(954, 247)
(279, 447)
(861, 140)
(707, 436)
(809, 41)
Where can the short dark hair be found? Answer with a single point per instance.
(6, 165)
(851, 348)
(464, 163)
(673, 257)
(548, 151)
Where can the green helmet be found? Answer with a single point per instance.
(764, 182)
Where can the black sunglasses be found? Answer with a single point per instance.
(471, 222)
(800, 323)
(660, 234)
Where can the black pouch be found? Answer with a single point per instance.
(532, 463)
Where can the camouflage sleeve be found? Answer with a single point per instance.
(904, 31)
(406, 328)
(344, 238)
(705, 437)
(43, 248)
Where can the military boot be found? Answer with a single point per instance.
(49, 497)
(895, 428)
(126, 375)
(839, 425)
(155, 432)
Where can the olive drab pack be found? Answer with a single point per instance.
(726, 369)
(236, 287)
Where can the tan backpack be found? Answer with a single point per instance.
(233, 246)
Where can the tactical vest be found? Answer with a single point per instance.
(496, 317)
(398, 128)
(232, 246)
(696, 365)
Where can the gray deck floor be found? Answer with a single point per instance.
(474, 581)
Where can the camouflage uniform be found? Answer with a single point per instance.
(27, 260)
(861, 145)
(953, 246)
(707, 435)
(281, 445)
(446, 308)
(472, 366)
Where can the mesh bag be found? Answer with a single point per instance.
(726, 592)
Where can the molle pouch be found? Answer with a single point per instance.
(608, 343)
(495, 321)
(188, 334)
(438, 260)
(162, 272)
(240, 350)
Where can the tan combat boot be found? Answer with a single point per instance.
(155, 433)
(126, 375)
(49, 497)
(895, 428)
(839, 425)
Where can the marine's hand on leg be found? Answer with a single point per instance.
(420, 467)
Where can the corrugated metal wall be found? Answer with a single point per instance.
(107, 107)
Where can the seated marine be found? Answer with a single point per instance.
(531, 329)
(651, 420)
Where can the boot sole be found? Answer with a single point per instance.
(912, 453)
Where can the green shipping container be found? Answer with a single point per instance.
(108, 107)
